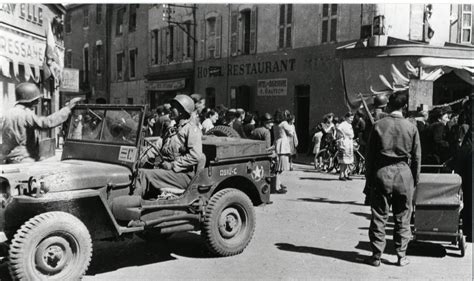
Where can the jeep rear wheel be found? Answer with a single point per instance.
(52, 246)
(229, 222)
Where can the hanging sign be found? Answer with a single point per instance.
(272, 87)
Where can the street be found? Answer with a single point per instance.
(318, 230)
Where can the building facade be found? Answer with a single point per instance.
(86, 48)
(23, 30)
(128, 53)
(265, 57)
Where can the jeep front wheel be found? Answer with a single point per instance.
(52, 246)
(229, 222)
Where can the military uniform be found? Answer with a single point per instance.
(20, 140)
(182, 148)
(393, 168)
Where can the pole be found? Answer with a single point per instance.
(371, 118)
(194, 48)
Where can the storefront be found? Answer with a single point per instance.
(163, 87)
(305, 81)
(22, 53)
(445, 74)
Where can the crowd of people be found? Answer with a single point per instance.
(277, 130)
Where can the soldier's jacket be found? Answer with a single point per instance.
(392, 138)
(262, 133)
(19, 130)
(183, 146)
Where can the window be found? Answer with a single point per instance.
(68, 23)
(86, 63)
(466, 23)
(119, 25)
(285, 23)
(245, 20)
(211, 37)
(120, 57)
(365, 31)
(86, 18)
(98, 14)
(129, 100)
(132, 61)
(329, 24)
(170, 40)
(211, 97)
(99, 58)
(69, 58)
(132, 20)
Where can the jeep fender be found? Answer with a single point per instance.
(87, 205)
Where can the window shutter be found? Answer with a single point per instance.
(151, 48)
(163, 46)
(416, 21)
(176, 48)
(218, 36)
(234, 30)
(202, 49)
(253, 30)
(94, 59)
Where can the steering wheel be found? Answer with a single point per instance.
(150, 145)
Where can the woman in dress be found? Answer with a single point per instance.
(282, 132)
(345, 136)
(322, 130)
(211, 119)
(293, 140)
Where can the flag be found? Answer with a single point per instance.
(51, 64)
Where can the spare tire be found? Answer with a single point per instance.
(223, 131)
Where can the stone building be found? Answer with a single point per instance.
(269, 56)
(86, 48)
(128, 53)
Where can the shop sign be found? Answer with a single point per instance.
(70, 80)
(29, 17)
(167, 85)
(215, 71)
(272, 87)
(22, 48)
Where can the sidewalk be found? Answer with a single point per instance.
(304, 158)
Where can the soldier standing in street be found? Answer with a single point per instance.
(393, 168)
(263, 131)
(20, 140)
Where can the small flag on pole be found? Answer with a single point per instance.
(51, 65)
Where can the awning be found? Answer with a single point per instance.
(433, 68)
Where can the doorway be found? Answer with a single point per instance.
(302, 117)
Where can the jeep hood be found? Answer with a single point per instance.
(67, 175)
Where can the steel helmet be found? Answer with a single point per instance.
(26, 93)
(380, 101)
(185, 101)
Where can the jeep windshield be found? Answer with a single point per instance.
(104, 125)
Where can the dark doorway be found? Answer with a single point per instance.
(302, 116)
(450, 87)
(242, 98)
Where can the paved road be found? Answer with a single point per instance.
(318, 230)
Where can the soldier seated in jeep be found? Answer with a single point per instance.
(180, 153)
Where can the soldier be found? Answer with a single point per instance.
(20, 139)
(180, 153)
(393, 168)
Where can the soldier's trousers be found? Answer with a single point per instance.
(151, 182)
(394, 187)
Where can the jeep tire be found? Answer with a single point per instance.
(223, 131)
(229, 222)
(52, 246)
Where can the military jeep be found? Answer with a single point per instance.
(51, 212)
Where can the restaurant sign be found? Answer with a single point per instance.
(272, 87)
(166, 85)
(70, 80)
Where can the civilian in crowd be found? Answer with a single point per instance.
(263, 132)
(438, 136)
(293, 139)
(149, 124)
(345, 135)
(282, 132)
(326, 127)
(211, 119)
(249, 124)
(237, 123)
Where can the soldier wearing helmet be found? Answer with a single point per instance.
(180, 153)
(263, 132)
(380, 103)
(20, 139)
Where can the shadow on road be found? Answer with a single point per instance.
(325, 200)
(360, 214)
(415, 248)
(349, 256)
(110, 256)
